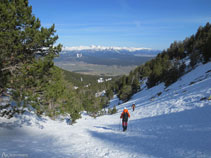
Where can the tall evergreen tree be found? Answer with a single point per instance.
(26, 51)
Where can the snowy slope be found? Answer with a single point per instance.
(172, 122)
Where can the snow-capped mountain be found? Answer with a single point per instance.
(107, 55)
(97, 48)
(109, 50)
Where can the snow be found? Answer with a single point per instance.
(114, 102)
(98, 94)
(100, 80)
(168, 122)
(108, 79)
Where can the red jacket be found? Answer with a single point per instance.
(125, 111)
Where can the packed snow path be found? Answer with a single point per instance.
(172, 122)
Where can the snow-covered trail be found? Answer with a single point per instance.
(174, 124)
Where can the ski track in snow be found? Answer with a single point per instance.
(175, 124)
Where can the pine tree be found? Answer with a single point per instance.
(109, 93)
(26, 52)
(125, 93)
(135, 86)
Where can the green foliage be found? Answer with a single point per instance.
(176, 50)
(112, 111)
(207, 49)
(171, 76)
(135, 85)
(202, 41)
(109, 93)
(90, 102)
(125, 93)
(71, 103)
(194, 58)
(81, 80)
(146, 70)
(22, 40)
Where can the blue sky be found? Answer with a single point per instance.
(129, 23)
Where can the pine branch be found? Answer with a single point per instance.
(11, 68)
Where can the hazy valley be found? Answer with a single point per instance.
(103, 61)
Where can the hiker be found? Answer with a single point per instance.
(124, 116)
(133, 106)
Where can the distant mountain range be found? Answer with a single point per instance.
(93, 47)
(101, 55)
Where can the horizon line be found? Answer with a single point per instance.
(100, 47)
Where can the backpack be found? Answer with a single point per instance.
(125, 116)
